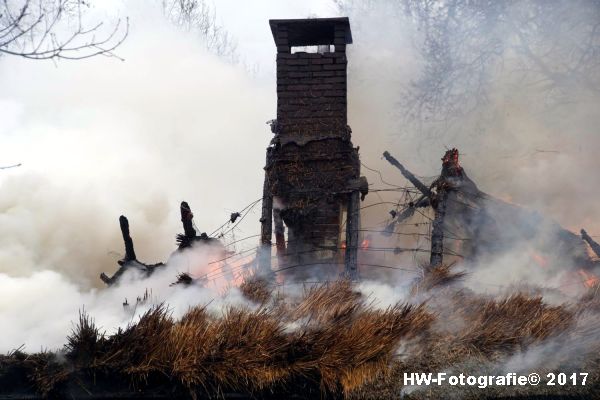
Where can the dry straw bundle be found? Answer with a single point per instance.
(328, 342)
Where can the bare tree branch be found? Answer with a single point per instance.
(551, 47)
(198, 17)
(40, 30)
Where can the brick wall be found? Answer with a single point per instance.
(311, 92)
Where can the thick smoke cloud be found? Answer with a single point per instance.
(100, 138)
(514, 145)
(38, 311)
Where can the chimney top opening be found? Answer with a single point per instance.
(289, 33)
(319, 49)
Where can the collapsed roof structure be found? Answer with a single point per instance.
(491, 226)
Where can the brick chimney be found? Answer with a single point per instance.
(312, 174)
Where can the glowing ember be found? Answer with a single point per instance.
(539, 260)
(589, 279)
(365, 244)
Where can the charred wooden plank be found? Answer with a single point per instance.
(266, 223)
(352, 229)
(129, 250)
(398, 218)
(407, 174)
(437, 232)
(129, 261)
(593, 244)
(187, 220)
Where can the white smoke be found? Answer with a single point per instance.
(100, 138)
(544, 158)
(38, 311)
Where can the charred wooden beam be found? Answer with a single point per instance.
(129, 251)
(450, 177)
(437, 233)
(279, 232)
(266, 227)
(407, 174)
(398, 218)
(187, 220)
(352, 229)
(189, 235)
(130, 260)
(593, 244)
(360, 184)
(106, 279)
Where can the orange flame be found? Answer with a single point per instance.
(539, 259)
(589, 279)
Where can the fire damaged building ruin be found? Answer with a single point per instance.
(312, 181)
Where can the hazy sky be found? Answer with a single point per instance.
(251, 27)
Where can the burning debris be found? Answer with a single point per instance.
(183, 279)
(129, 262)
(186, 240)
(439, 276)
(593, 245)
(189, 235)
(243, 350)
(492, 226)
(328, 343)
(257, 289)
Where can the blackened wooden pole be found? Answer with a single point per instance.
(266, 230)
(437, 232)
(451, 177)
(595, 246)
(129, 251)
(352, 230)
(407, 174)
(187, 220)
(279, 233)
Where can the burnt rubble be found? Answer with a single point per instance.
(185, 240)
(490, 225)
(189, 235)
(129, 262)
(591, 242)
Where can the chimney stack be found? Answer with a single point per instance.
(312, 176)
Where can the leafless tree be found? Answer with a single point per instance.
(550, 48)
(198, 17)
(54, 29)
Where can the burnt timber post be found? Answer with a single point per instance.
(450, 178)
(266, 228)
(593, 244)
(352, 231)
(437, 231)
(312, 167)
(186, 219)
(129, 250)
